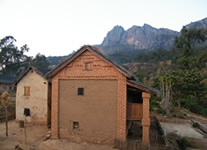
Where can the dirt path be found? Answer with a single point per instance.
(17, 135)
(35, 140)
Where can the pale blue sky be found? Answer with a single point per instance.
(57, 27)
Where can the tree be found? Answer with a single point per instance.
(185, 83)
(41, 63)
(11, 58)
(186, 80)
(4, 103)
(186, 43)
(165, 90)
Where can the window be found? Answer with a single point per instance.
(80, 91)
(26, 91)
(88, 66)
(26, 111)
(75, 125)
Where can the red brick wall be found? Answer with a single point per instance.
(146, 118)
(100, 70)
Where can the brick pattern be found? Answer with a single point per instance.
(121, 110)
(146, 119)
(145, 135)
(54, 102)
(100, 70)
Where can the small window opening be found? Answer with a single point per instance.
(88, 66)
(26, 91)
(80, 91)
(26, 111)
(75, 125)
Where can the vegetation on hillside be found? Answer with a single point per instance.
(186, 80)
(179, 73)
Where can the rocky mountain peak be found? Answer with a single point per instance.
(147, 26)
(143, 37)
(113, 37)
(198, 24)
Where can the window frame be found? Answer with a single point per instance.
(88, 66)
(75, 125)
(80, 91)
(26, 91)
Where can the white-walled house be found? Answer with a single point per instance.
(33, 97)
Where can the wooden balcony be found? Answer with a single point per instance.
(134, 111)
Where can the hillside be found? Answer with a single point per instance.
(198, 24)
(145, 38)
(138, 38)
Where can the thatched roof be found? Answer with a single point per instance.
(24, 73)
(131, 79)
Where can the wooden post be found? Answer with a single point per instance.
(25, 134)
(145, 119)
(6, 111)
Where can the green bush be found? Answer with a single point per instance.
(182, 143)
(180, 114)
(190, 102)
(198, 109)
(155, 98)
(160, 111)
(154, 104)
(196, 125)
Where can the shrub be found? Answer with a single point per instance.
(196, 125)
(180, 114)
(160, 111)
(182, 143)
(155, 98)
(191, 103)
(198, 109)
(155, 104)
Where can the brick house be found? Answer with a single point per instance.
(33, 95)
(93, 99)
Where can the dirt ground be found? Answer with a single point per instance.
(35, 136)
(183, 128)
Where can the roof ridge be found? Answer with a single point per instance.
(26, 71)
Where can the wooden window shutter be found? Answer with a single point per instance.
(27, 91)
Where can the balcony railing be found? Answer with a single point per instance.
(134, 111)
